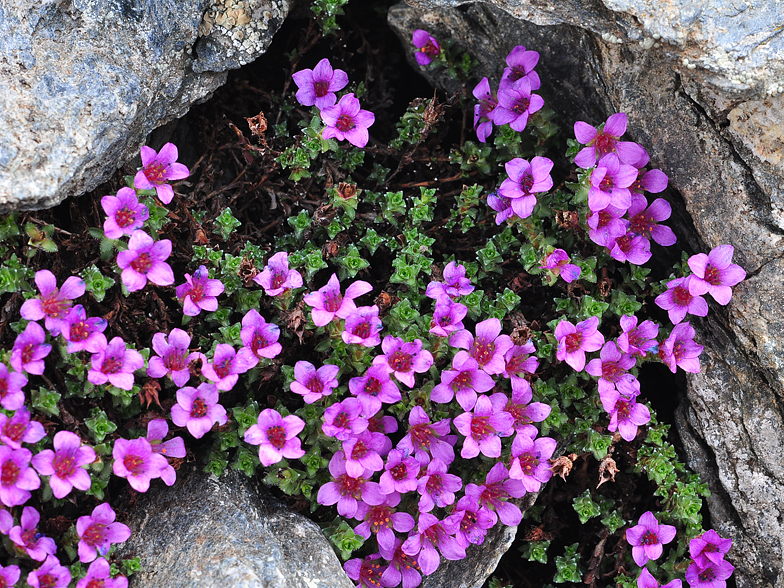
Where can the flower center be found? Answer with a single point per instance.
(154, 173)
(3, 387)
(469, 520)
(521, 106)
(527, 182)
(649, 538)
(345, 123)
(712, 275)
(63, 465)
(95, 534)
(96, 583)
(111, 365)
(134, 464)
(278, 280)
(363, 330)
(14, 431)
(197, 293)
(9, 473)
(401, 361)
(480, 427)
(321, 89)
(611, 371)
(430, 49)
(199, 408)
(623, 408)
(380, 516)
(421, 436)
(360, 450)
(606, 184)
(276, 435)
(142, 264)
(640, 225)
(80, 331)
(27, 352)
(462, 381)
(223, 368)
(332, 301)
(373, 386)
(399, 472)
(483, 351)
(681, 296)
(516, 73)
(28, 537)
(707, 575)
(175, 359)
(124, 217)
(527, 463)
(316, 385)
(573, 342)
(349, 486)
(53, 306)
(604, 143)
(342, 420)
(47, 581)
(435, 485)
(258, 342)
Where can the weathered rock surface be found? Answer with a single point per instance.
(720, 144)
(210, 533)
(83, 83)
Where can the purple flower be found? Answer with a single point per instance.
(713, 576)
(328, 302)
(367, 572)
(709, 548)
(17, 478)
(502, 205)
(382, 519)
(520, 64)
(526, 179)
(436, 487)
(276, 277)
(637, 340)
(9, 575)
(427, 46)
(124, 213)
(173, 358)
(400, 473)
(645, 221)
(646, 580)
(199, 292)
(648, 537)
(26, 536)
(404, 359)
(489, 346)
(53, 305)
(679, 301)
(402, 568)
(432, 534)
(524, 412)
(558, 263)
(474, 521)
(607, 225)
(455, 283)
(529, 461)
(653, 181)
(20, 429)
(447, 317)
(318, 85)
(483, 112)
(516, 104)
(82, 333)
(493, 495)
(50, 575)
(157, 169)
(484, 426)
(276, 436)
(99, 576)
(518, 361)
(625, 413)
(610, 182)
(65, 464)
(145, 260)
(135, 460)
(11, 383)
(362, 453)
(345, 121)
(635, 249)
(715, 274)
(602, 142)
(611, 367)
(259, 336)
(157, 429)
(98, 531)
(345, 491)
(29, 350)
(6, 522)
(227, 365)
(115, 364)
(343, 420)
(373, 388)
(363, 327)
(314, 384)
(424, 439)
(463, 382)
(198, 409)
(574, 341)
(680, 350)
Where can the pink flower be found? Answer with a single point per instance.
(484, 427)
(402, 569)
(447, 317)
(558, 263)
(516, 104)
(403, 360)
(432, 534)
(198, 409)
(157, 429)
(259, 336)
(173, 358)
(463, 382)
(346, 121)
(11, 383)
(400, 473)
(10, 575)
(145, 260)
(50, 575)
(30, 350)
(318, 85)
(276, 277)
(26, 536)
(518, 361)
(328, 302)
(604, 141)
(199, 292)
(493, 495)
(526, 179)
(713, 576)
(709, 548)
(124, 213)
(53, 305)
(524, 412)
(427, 46)
(436, 487)
(635, 249)
(374, 388)
(65, 464)
(20, 429)
(314, 384)
(612, 368)
(520, 64)
(115, 365)
(489, 346)
(455, 284)
(99, 576)
(474, 521)
(715, 274)
(135, 460)
(82, 333)
(227, 365)
(645, 221)
(483, 112)
(502, 205)
(17, 478)
(382, 519)
(574, 341)
(648, 537)
(637, 340)
(625, 413)
(530, 461)
(345, 491)
(607, 225)
(678, 300)
(680, 350)
(646, 580)
(343, 420)
(423, 439)
(276, 436)
(157, 169)
(363, 327)
(362, 452)
(97, 531)
(610, 182)
(367, 572)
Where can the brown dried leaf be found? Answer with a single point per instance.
(607, 470)
(149, 393)
(295, 321)
(258, 125)
(562, 466)
(347, 190)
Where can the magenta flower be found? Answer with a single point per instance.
(646, 580)
(366, 572)
(346, 491)
(625, 413)
(199, 292)
(314, 384)
(558, 263)
(115, 364)
(374, 388)
(124, 213)
(145, 260)
(362, 453)
(526, 179)
(493, 495)
(173, 358)
(403, 360)
(98, 531)
(400, 473)
(637, 340)
(318, 85)
(652, 181)
(427, 46)
(26, 536)
(680, 350)
(82, 333)
(346, 121)
(607, 225)
(65, 464)
(518, 361)
(227, 365)
(483, 112)
(678, 300)
(484, 427)
(328, 302)
(50, 575)
(424, 439)
(516, 104)
(447, 317)
(524, 412)
(20, 429)
(645, 221)
(135, 460)
(611, 367)
(502, 205)
(343, 420)
(436, 487)
(648, 537)
(489, 346)
(30, 350)
(6, 522)
(574, 341)
(610, 182)
(709, 548)
(474, 521)
(11, 383)
(198, 409)
(529, 461)
(10, 575)
(259, 336)
(713, 576)
(54, 304)
(402, 569)
(455, 283)
(276, 436)
(157, 169)
(382, 519)
(431, 534)
(17, 478)
(463, 382)
(520, 64)
(363, 327)
(157, 429)
(715, 274)
(604, 141)
(99, 576)
(276, 277)
(635, 249)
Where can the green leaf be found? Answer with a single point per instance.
(226, 224)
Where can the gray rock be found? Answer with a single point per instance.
(83, 83)
(209, 533)
(722, 152)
